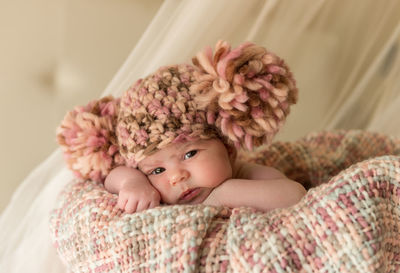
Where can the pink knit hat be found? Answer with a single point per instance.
(241, 96)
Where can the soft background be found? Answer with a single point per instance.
(58, 54)
(55, 55)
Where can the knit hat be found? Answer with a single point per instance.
(241, 96)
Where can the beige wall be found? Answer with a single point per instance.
(54, 55)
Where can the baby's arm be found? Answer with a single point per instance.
(260, 187)
(135, 193)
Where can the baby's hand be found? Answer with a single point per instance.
(135, 198)
(135, 193)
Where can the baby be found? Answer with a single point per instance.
(201, 171)
(173, 136)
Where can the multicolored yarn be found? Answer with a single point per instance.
(349, 223)
(246, 92)
(157, 110)
(88, 139)
(241, 96)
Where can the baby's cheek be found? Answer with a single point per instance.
(167, 198)
(218, 174)
(163, 189)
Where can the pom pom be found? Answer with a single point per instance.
(246, 92)
(87, 138)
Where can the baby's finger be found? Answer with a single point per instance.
(154, 204)
(131, 206)
(143, 205)
(122, 202)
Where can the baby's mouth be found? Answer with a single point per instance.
(189, 194)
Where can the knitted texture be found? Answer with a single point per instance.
(319, 156)
(157, 110)
(246, 92)
(349, 223)
(241, 96)
(88, 140)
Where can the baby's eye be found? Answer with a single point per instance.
(157, 170)
(190, 154)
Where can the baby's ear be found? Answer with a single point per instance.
(88, 140)
(232, 152)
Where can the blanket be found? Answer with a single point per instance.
(349, 221)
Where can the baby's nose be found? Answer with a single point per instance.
(179, 176)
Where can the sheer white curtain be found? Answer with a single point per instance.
(344, 55)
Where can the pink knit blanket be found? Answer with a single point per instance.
(349, 221)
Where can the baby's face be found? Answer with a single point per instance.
(186, 173)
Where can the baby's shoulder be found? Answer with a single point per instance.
(245, 170)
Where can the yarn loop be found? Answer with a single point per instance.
(247, 83)
(87, 138)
